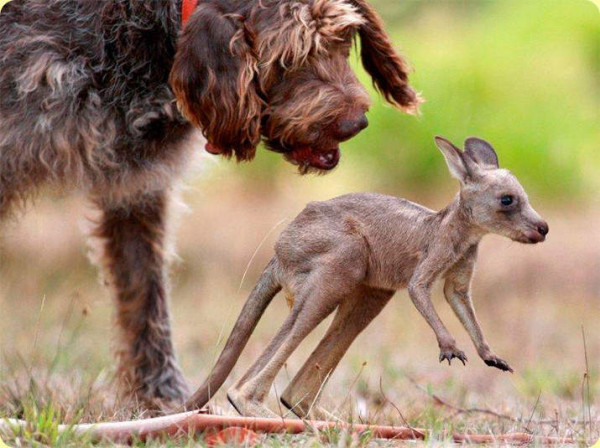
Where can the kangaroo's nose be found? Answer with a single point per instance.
(543, 228)
(348, 128)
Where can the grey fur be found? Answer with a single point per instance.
(353, 252)
(90, 99)
(85, 104)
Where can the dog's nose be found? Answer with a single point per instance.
(348, 128)
(543, 228)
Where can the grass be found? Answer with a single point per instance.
(56, 362)
(521, 74)
(439, 415)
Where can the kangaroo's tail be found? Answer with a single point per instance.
(260, 298)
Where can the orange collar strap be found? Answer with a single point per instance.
(187, 9)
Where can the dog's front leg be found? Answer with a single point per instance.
(133, 255)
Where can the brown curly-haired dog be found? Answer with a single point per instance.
(103, 96)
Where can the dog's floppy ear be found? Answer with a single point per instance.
(213, 80)
(382, 62)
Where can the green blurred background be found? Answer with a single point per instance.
(524, 75)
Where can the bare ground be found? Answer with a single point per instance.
(533, 302)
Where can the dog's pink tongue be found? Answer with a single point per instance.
(323, 160)
(212, 149)
(329, 159)
(302, 155)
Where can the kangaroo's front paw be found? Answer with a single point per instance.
(452, 352)
(494, 361)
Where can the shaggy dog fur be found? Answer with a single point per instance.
(103, 96)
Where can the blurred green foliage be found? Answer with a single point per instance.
(524, 75)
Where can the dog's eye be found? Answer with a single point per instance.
(507, 200)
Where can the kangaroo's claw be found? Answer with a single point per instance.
(494, 361)
(453, 353)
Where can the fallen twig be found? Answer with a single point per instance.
(396, 408)
(188, 423)
(459, 410)
(537, 401)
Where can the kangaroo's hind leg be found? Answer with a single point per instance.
(248, 395)
(248, 399)
(315, 298)
(352, 317)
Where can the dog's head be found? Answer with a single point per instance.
(278, 70)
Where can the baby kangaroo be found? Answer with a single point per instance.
(352, 253)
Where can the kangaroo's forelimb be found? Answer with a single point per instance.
(457, 290)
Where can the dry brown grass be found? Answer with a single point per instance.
(532, 301)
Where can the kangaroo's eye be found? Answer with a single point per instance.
(507, 200)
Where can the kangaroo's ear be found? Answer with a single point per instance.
(387, 68)
(213, 78)
(481, 152)
(454, 159)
